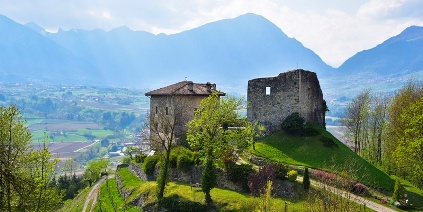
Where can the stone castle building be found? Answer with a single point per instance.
(272, 99)
(173, 106)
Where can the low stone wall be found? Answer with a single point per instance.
(281, 188)
(190, 177)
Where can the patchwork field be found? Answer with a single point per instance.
(59, 130)
(64, 150)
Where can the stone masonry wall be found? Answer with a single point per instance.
(272, 99)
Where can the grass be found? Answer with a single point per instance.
(180, 197)
(76, 204)
(414, 195)
(110, 199)
(310, 152)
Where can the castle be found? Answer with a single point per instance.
(272, 99)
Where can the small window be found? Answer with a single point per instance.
(167, 111)
(267, 90)
(157, 111)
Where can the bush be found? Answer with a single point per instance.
(281, 171)
(257, 181)
(306, 180)
(293, 124)
(310, 129)
(140, 158)
(359, 188)
(126, 160)
(150, 164)
(239, 174)
(328, 142)
(196, 158)
(398, 191)
(292, 175)
(184, 162)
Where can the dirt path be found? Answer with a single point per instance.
(93, 195)
(360, 200)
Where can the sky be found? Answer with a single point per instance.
(334, 29)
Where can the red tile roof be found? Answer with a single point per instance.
(187, 88)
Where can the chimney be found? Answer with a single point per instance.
(190, 86)
(209, 87)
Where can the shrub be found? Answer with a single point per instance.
(140, 158)
(359, 188)
(150, 164)
(398, 191)
(239, 174)
(292, 175)
(196, 158)
(306, 179)
(310, 129)
(126, 160)
(328, 142)
(257, 181)
(293, 124)
(281, 170)
(184, 162)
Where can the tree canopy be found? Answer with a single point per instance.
(217, 127)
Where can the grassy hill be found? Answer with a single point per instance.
(310, 152)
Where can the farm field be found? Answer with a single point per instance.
(64, 150)
(59, 130)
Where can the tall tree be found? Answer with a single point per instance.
(409, 152)
(211, 132)
(355, 119)
(25, 174)
(166, 126)
(405, 97)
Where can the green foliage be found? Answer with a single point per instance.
(292, 175)
(266, 199)
(209, 132)
(185, 162)
(310, 130)
(239, 174)
(149, 164)
(328, 142)
(93, 170)
(408, 154)
(208, 180)
(293, 124)
(139, 158)
(398, 191)
(126, 160)
(26, 175)
(306, 179)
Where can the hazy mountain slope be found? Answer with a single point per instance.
(246, 47)
(384, 68)
(398, 55)
(26, 55)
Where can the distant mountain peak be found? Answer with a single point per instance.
(36, 28)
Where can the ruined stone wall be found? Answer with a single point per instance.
(272, 99)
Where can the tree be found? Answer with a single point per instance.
(94, 169)
(400, 147)
(25, 174)
(165, 126)
(355, 119)
(306, 179)
(211, 132)
(409, 152)
(398, 191)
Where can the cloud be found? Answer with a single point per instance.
(391, 9)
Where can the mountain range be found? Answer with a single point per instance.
(227, 52)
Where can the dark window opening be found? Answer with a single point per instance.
(167, 111)
(157, 111)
